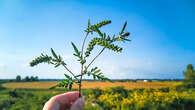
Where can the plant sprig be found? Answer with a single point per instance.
(104, 40)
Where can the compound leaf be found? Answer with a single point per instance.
(54, 54)
(41, 59)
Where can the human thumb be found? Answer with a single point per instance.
(78, 105)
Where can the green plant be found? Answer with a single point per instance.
(104, 40)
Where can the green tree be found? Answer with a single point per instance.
(27, 79)
(189, 76)
(36, 78)
(32, 78)
(18, 78)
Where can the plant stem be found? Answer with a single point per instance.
(83, 58)
(69, 71)
(87, 68)
(80, 89)
(83, 51)
(96, 57)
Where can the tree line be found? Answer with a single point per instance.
(26, 79)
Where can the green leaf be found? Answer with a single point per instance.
(108, 38)
(90, 47)
(93, 69)
(60, 58)
(99, 25)
(88, 73)
(75, 48)
(64, 84)
(98, 31)
(54, 87)
(70, 85)
(126, 39)
(41, 59)
(78, 75)
(94, 77)
(108, 45)
(68, 77)
(104, 36)
(82, 61)
(126, 34)
(54, 54)
(77, 54)
(103, 23)
(101, 77)
(97, 71)
(58, 64)
(89, 24)
(124, 26)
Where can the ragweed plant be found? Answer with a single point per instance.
(104, 40)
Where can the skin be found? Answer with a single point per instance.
(69, 100)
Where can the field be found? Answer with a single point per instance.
(101, 95)
(94, 84)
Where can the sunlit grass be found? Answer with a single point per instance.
(96, 84)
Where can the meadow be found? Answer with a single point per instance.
(101, 95)
(94, 84)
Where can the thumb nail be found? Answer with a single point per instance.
(78, 105)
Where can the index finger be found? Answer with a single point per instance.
(66, 99)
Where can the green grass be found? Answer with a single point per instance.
(34, 99)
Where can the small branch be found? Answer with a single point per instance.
(96, 57)
(84, 44)
(69, 71)
(83, 58)
(82, 52)
(80, 90)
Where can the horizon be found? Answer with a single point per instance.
(162, 34)
(90, 79)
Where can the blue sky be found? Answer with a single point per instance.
(162, 33)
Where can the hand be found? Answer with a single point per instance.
(67, 100)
